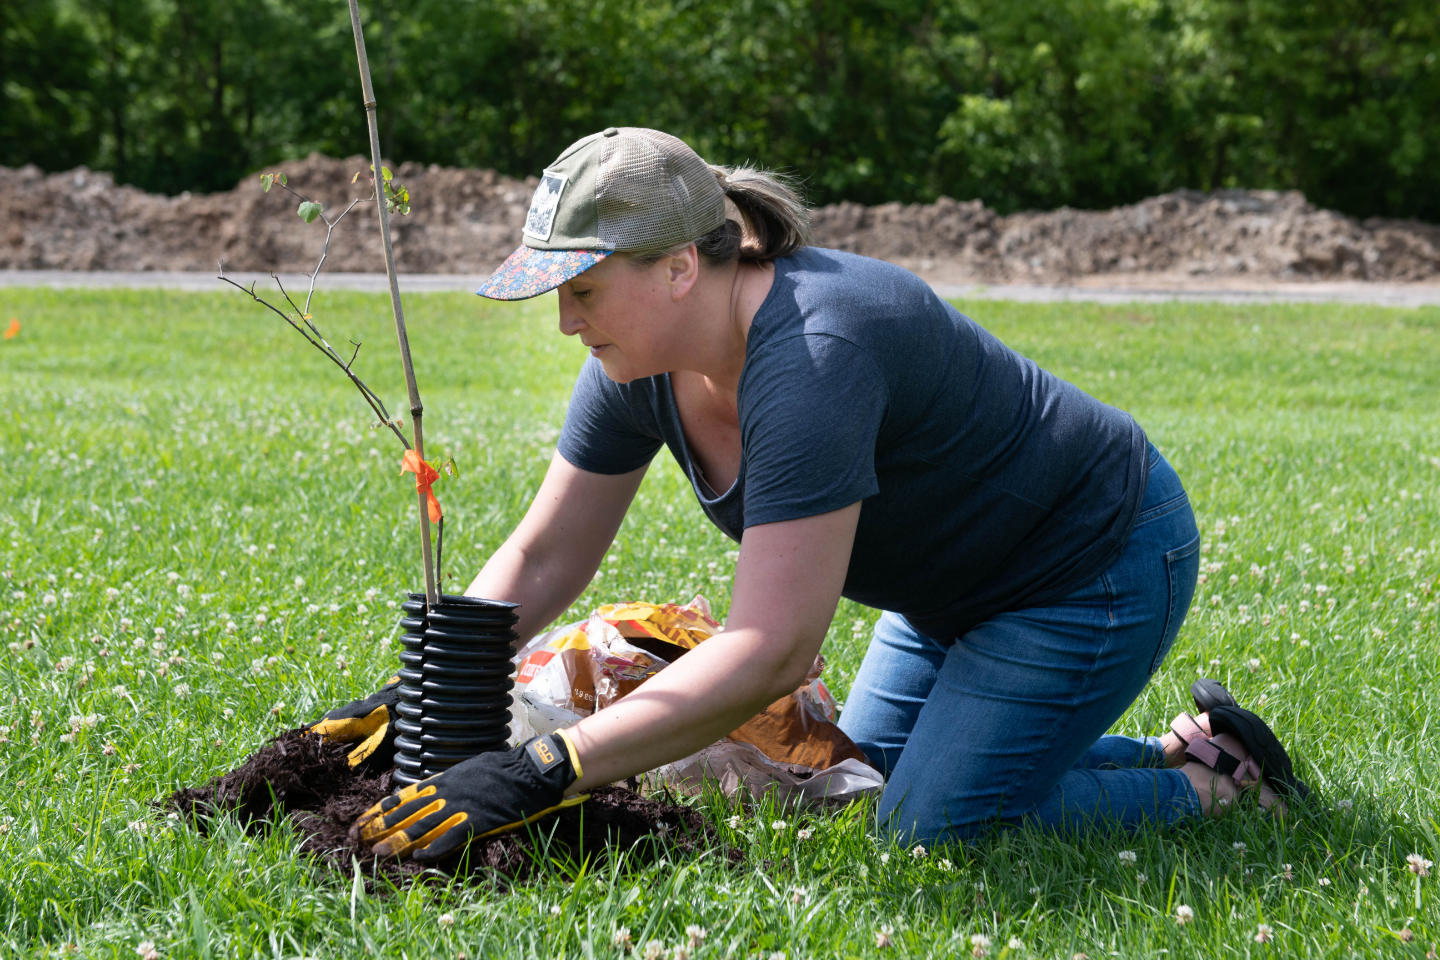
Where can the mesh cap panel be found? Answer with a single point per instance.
(654, 192)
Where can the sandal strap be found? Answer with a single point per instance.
(1187, 729)
(1248, 773)
(1244, 769)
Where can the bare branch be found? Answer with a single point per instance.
(371, 398)
(325, 250)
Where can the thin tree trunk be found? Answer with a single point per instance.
(432, 594)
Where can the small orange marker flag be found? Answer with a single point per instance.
(424, 476)
(12, 331)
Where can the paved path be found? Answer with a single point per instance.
(1100, 290)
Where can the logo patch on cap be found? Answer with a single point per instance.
(540, 221)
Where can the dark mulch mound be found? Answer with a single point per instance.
(302, 778)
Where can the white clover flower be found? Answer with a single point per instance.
(1183, 914)
(620, 938)
(918, 852)
(979, 945)
(1418, 865)
(654, 950)
(446, 920)
(696, 934)
(111, 593)
(882, 936)
(1238, 846)
(182, 689)
(556, 909)
(734, 822)
(945, 864)
(1126, 857)
(804, 833)
(1264, 933)
(49, 600)
(1016, 944)
(146, 950)
(778, 825)
(1323, 881)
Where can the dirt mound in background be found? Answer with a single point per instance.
(467, 221)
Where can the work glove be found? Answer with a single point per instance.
(487, 794)
(369, 722)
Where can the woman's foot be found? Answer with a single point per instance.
(1243, 753)
(1219, 791)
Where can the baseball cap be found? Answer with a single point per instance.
(624, 189)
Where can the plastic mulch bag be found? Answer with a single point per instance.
(792, 747)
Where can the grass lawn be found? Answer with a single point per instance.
(203, 541)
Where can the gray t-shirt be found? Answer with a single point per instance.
(987, 483)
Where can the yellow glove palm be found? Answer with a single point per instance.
(370, 723)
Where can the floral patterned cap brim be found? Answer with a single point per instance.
(529, 272)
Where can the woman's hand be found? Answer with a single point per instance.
(488, 794)
(369, 723)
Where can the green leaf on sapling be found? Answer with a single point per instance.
(397, 199)
(308, 211)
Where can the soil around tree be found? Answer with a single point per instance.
(305, 780)
(468, 221)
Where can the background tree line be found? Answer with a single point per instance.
(1023, 104)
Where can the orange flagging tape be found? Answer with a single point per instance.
(424, 476)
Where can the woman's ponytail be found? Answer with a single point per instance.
(774, 220)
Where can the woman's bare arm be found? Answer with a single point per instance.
(787, 583)
(555, 550)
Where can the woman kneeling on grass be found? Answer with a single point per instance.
(1033, 554)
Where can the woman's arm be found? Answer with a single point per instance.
(555, 550)
(787, 583)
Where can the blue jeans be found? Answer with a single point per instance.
(1006, 723)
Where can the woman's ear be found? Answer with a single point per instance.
(682, 270)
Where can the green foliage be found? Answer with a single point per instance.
(308, 210)
(1033, 103)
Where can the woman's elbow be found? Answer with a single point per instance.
(792, 670)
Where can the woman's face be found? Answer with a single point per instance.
(624, 313)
